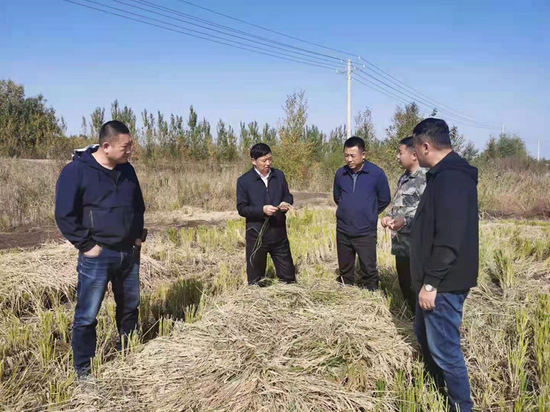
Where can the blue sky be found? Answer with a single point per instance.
(489, 59)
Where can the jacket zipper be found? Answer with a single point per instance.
(354, 181)
(92, 221)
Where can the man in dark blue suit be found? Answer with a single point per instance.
(263, 198)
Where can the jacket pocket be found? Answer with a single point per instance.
(344, 213)
(113, 225)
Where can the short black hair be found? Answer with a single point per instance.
(407, 142)
(111, 130)
(354, 141)
(434, 131)
(259, 150)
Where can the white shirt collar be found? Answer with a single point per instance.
(264, 178)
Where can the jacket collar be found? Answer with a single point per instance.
(257, 176)
(364, 169)
(262, 176)
(413, 175)
(86, 157)
(452, 156)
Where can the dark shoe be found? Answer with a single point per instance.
(344, 282)
(83, 373)
(371, 288)
(86, 384)
(87, 380)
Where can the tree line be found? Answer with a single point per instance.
(30, 128)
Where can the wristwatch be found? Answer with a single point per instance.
(429, 288)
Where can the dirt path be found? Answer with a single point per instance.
(25, 238)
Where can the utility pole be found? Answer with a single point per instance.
(502, 129)
(538, 151)
(349, 98)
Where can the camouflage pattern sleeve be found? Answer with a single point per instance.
(407, 198)
(393, 211)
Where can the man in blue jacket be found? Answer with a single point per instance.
(99, 208)
(263, 197)
(361, 192)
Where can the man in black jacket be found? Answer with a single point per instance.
(99, 208)
(263, 198)
(444, 256)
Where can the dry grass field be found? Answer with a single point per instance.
(209, 342)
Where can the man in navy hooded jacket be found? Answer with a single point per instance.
(99, 208)
(361, 192)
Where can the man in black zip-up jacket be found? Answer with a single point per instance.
(263, 198)
(444, 256)
(99, 208)
(362, 192)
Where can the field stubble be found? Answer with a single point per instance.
(209, 342)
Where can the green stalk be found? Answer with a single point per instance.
(258, 243)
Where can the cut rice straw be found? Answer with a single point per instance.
(307, 347)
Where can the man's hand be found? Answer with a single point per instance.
(397, 223)
(93, 252)
(270, 210)
(284, 207)
(426, 300)
(139, 242)
(386, 221)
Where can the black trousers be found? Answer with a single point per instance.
(364, 247)
(403, 266)
(281, 256)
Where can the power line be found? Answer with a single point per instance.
(456, 113)
(402, 84)
(377, 88)
(511, 131)
(149, 4)
(227, 28)
(200, 32)
(268, 30)
(321, 61)
(183, 30)
(427, 104)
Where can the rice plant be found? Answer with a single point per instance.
(315, 345)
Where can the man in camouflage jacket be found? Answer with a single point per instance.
(400, 219)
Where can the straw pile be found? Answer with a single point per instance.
(27, 278)
(287, 347)
(32, 278)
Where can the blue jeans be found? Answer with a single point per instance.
(94, 274)
(438, 332)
